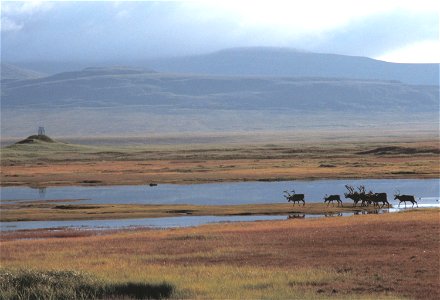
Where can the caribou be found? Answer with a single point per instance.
(405, 198)
(294, 197)
(352, 194)
(366, 198)
(331, 198)
(376, 198)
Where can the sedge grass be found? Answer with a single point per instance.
(61, 284)
(311, 259)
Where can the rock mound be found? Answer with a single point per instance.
(36, 138)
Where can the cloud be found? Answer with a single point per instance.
(15, 15)
(420, 52)
(9, 25)
(18, 8)
(125, 30)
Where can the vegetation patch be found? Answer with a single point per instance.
(399, 150)
(181, 211)
(31, 284)
(327, 166)
(35, 138)
(72, 206)
(91, 181)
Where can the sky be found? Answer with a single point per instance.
(390, 30)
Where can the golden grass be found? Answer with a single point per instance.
(48, 211)
(73, 164)
(371, 256)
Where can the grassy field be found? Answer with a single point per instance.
(363, 257)
(50, 164)
(50, 211)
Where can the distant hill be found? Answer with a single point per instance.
(126, 101)
(10, 72)
(104, 87)
(99, 71)
(267, 61)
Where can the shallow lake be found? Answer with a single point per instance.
(166, 222)
(425, 190)
(220, 193)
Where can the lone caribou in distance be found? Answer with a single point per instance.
(294, 197)
(405, 198)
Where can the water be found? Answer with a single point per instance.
(166, 222)
(221, 193)
(425, 190)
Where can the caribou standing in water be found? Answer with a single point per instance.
(376, 198)
(332, 198)
(405, 198)
(294, 197)
(366, 198)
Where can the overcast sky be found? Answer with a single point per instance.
(392, 30)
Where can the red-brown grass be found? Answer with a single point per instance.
(378, 255)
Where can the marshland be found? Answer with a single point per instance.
(150, 241)
(219, 150)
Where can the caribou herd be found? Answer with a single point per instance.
(358, 195)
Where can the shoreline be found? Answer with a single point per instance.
(219, 181)
(49, 211)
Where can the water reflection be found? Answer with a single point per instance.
(333, 214)
(166, 222)
(371, 212)
(172, 222)
(41, 191)
(296, 216)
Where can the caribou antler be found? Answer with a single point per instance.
(397, 193)
(361, 189)
(350, 188)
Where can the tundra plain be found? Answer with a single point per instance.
(390, 256)
(384, 256)
(41, 164)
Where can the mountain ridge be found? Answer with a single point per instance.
(98, 87)
(268, 61)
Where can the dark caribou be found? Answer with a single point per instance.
(332, 198)
(294, 197)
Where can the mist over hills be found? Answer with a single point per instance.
(268, 61)
(104, 87)
(246, 89)
(265, 61)
(11, 72)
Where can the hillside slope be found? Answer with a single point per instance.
(267, 61)
(11, 72)
(134, 102)
(124, 87)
